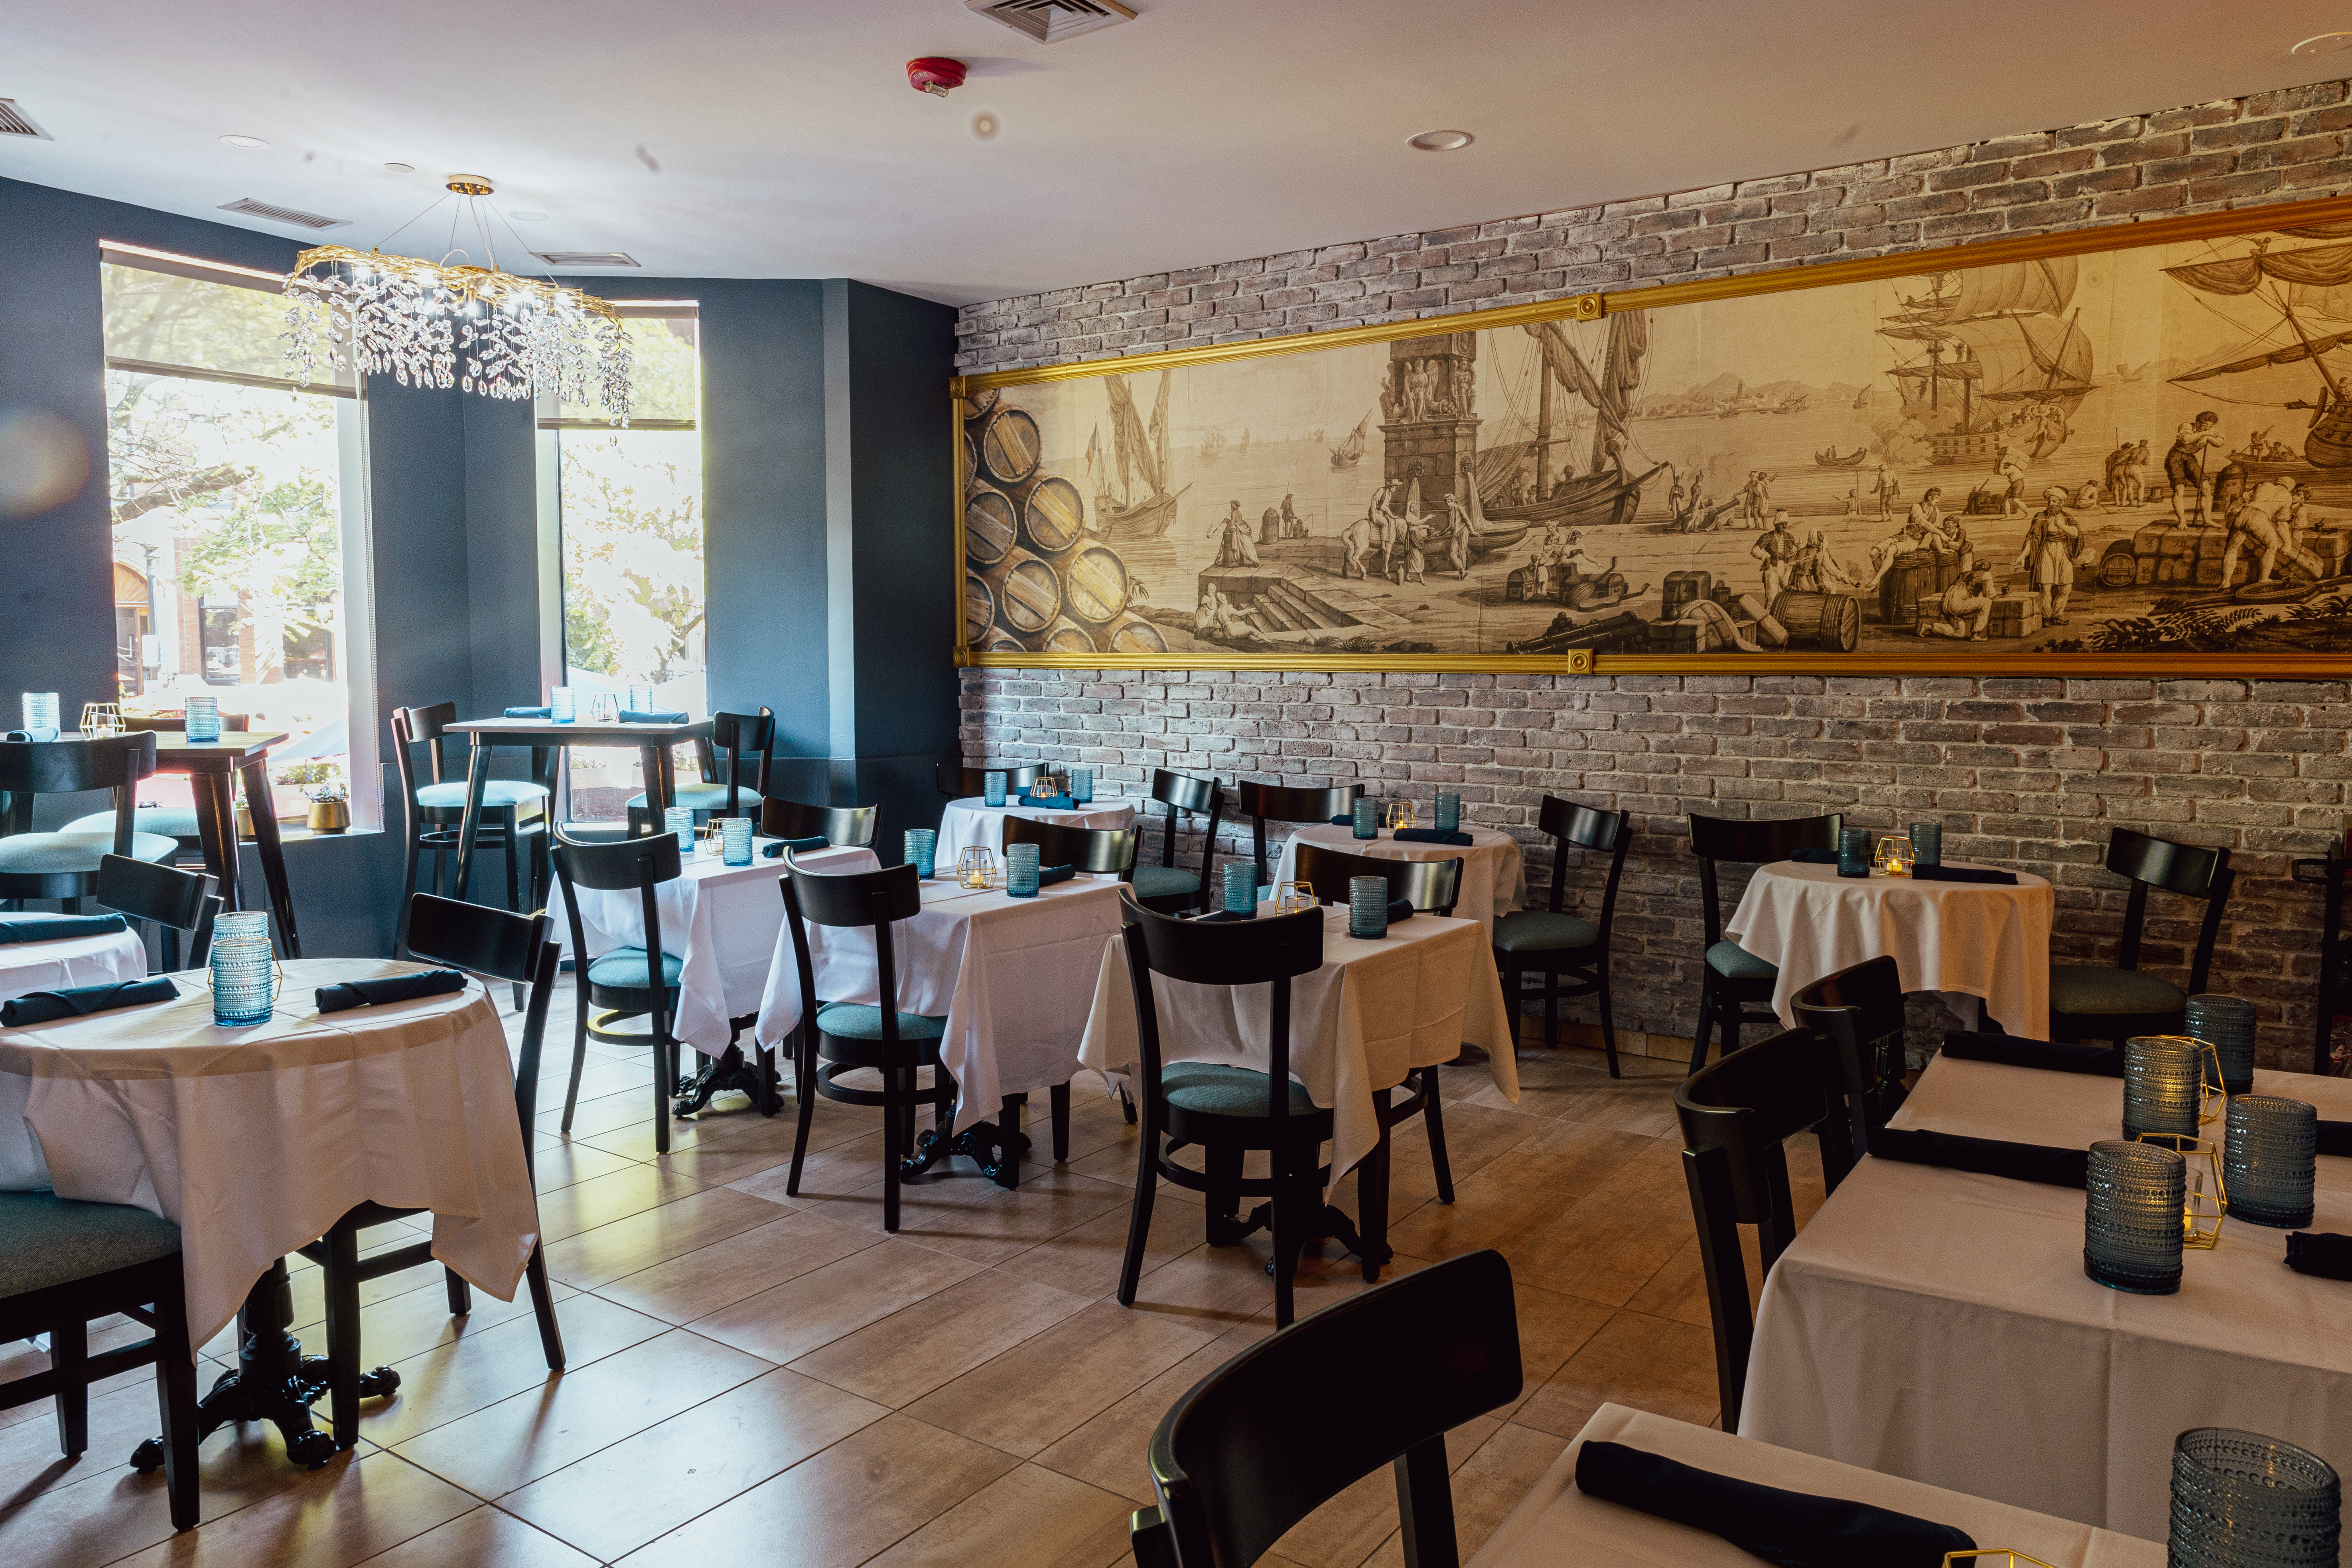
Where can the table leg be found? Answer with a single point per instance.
(259, 802)
(661, 785)
(478, 779)
(216, 829)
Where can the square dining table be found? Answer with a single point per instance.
(213, 769)
(547, 740)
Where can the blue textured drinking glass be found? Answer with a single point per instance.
(1448, 812)
(1853, 852)
(2269, 1148)
(735, 840)
(2134, 1198)
(993, 782)
(2244, 1500)
(1021, 870)
(2226, 1024)
(244, 970)
(679, 819)
(1367, 907)
(2163, 1079)
(1367, 818)
(1082, 784)
(559, 705)
(923, 847)
(1241, 887)
(204, 719)
(1927, 844)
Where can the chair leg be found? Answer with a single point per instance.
(1060, 1101)
(1551, 1006)
(407, 891)
(1139, 1213)
(461, 1295)
(664, 1083)
(543, 1306)
(68, 1351)
(1373, 1193)
(1731, 1008)
(176, 1391)
(1290, 1239)
(579, 1045)
(893, 1146)
(1706, 1030)
(1510, 994)
(804, 1086)
(1434, 1119)
(1008, 1170)
(1223, 1165)
(1607, 1019)
(343, 1331)
(513, 854)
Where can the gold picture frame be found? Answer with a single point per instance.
(1078, 605)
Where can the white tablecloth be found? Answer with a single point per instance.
(254, 1140)
(1556, 1526)
(1374, 1011)
(721, 919)
(1493, 871)
(1938, 1325)
(27, 966)
(1981, 941)
(1014, 978)
(973, 821)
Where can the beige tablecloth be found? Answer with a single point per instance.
(973, 821)
(1373, 1011)
(27, 966)
(254, 1140)
(1493, 871)
(1988, 942)
(1556, 1526)
(1938, 1325)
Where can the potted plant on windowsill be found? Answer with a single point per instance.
(321, 784)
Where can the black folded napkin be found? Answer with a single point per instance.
(1228, 915)
(2051, 1055)
(1050, 802)
(797, 846)
(1399, 909)
(43, 734)
(392, 988)
(1814, 857)
(1983, 1156)
(60, 928)
(1794, 1529)
(1429, 836)
(2335, 1138)
(1349, 821)
(1963, 874)
(2318, 1252)
(651, 715)
(1049, 875)
(529, 713)
(80, 1001)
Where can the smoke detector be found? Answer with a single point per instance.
(1051, 21)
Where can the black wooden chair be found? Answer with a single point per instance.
(64, 865)
(1732, 977)
(1434, 886)
(1859, 1011)
(1229, 1111)
(1103, 851)
(744, 737)
(496, 945)
(960, 783)
(2334, 982)
(63, 1263)
(1167, 887)
(628, 982)
(1263, 804)
(1293, 1421)
(1737, 1115)
(2089, 1002)
(175, 900)
(837, 825)
(515, 813)
(172, 821)
(1550, 942)
(840, 1037)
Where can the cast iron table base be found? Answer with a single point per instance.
(725, 1071)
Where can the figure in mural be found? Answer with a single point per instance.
(1754, 497)
(1236, 548)
(1776, 551)
(1925, 528)
(1889, 490)
(2184, 467)
(2053, 540)
(2009, 469)
(1292, 525)
(1965, 609)
(1457, 536)
(2269, 518)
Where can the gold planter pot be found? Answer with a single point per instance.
(330, 815)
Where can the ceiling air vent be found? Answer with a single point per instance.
(587, 257)
(1051, 21)
(252, 208)
(13, 121)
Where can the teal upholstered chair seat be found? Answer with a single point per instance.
(695, 795)
(171, 821)
(856, 1021)
(1539, 930)
(2101, 992)
(496, 794)
(1222, 1090)
(623, 969)
(47, 1240)
(1164, 882)
(1733, 962)
(39, 853)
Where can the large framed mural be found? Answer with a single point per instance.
(2122, 449)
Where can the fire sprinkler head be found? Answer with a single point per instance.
(935, 75)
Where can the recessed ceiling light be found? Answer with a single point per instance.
(245, 141)
(402, 168)
(985, 125)
(528, 217)
(1441, 141)
(2323, 43)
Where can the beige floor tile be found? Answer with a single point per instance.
(1678, 1289)
(1030, 1516)
(1085, 1258)
(977, 1219)
(94, 1509)
(343, 1514)
(896, 1359)
(485, 1538)
(1613, 1240)
(1037, 1392)
(615, 1501)
(623, 1246)
(871, 1490)
(567, 1163)
(600, 1200)
(416, 1321)
(697, 1283)
(786, 1322)
(1487, 1485)
(1107, 1451)
(1650, 1363)
(478, 1370)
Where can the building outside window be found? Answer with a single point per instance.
(239, 523)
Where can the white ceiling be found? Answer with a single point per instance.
(726, 138)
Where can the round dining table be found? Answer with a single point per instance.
(1493, 871)
(973, 820)
(47, 965)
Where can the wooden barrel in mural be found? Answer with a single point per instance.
(1057, 518)
(1009, 445)
(979, 608)
(1002, 641)
(1131, 634)
(979, 404)
(1829, 621)
(987, 526)
(971, 459)
(1068, 636)
(1028, 593)
(1095, 584)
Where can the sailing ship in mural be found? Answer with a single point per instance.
(1138, 453)
(2004, 359)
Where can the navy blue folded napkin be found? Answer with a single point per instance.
(391, 988)
(1050, 802)
(80, 1001)
(1983, 1156)
(529, 713)
(1399, 909)
(1348, 821)
(1228, 915)
(2320, 1252)
(1429, 836)
(1795, 1529)
(1963, 874)
(797, 846)
(2335, 1139)
(60, 928)
(2051, 1055)
(1814, 857)
(1049, 875)
(43, 734)
(651, 715)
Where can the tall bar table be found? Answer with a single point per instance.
(213, 769)
(653, 744)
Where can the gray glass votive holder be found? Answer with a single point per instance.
(1082, 785)
(1927, 843)
(1367, 818)
(1241, 887)
(203, 720)
(2226, 1024)
(922, 851)
(1448, 811)
(1853, 852)
(735, 840)
(40, 710)
(2133, 1197)
(1367, 907)
(2244, 1500)
(1021, 870)
(993, 782)
(2269, 1160)
(2164, 1077)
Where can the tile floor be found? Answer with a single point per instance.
(760, 1378)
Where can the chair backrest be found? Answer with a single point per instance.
(960, 783)
(1609, 833)
(643, 864)
(1431, 885)
(1097, 849)
(499, 945)
(1293, 1421)
(837, 825)
(740, 736)
(1263, 804)
(165, 894)
(1859, 1011)
(1714, 839)
(1184, 795)
(33, 768)
(872, 899)
(1265, 951)
(2184, 868)
(420, 727)
(1736, 1116)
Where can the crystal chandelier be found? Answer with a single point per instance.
(414, 320)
